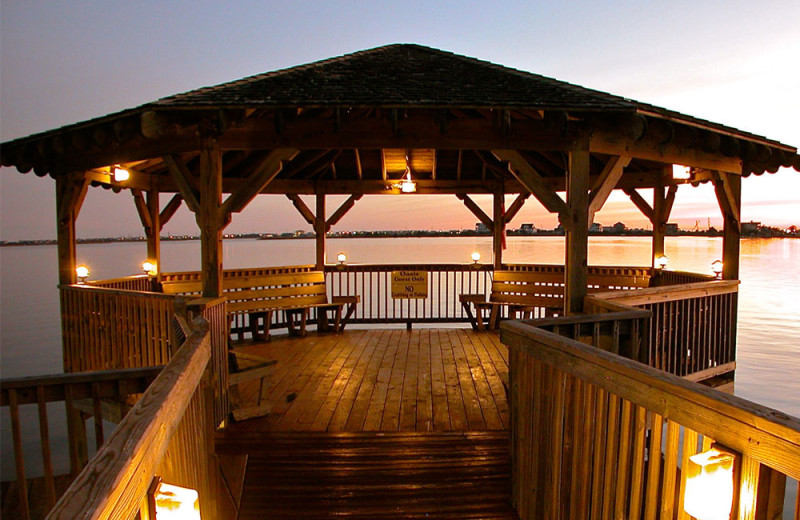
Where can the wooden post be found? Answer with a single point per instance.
(659, 222)
(70, 193)
(153, 232)
(732, 228)
(498, 228)
(209, 219)
(320, 229)
(577, 235)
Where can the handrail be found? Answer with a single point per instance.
(101, 393)
(116, 480)
(669, 293)
(557, 383)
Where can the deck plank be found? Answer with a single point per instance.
(384, 380)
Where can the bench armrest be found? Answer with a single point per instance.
(472, 298)
(347, 299)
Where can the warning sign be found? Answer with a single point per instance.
(409, 284)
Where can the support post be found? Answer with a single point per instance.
(320, 229)
(209, 218)
(498, 228)
(153, 232)
(70, 193)
(576, 272)
(728, 188)
(659, 222)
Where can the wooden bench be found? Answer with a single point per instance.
(295, 294)
(520, 292)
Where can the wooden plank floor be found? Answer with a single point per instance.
(426, 380)
(373, 475)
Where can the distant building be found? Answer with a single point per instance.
(619, 227)
(595, 228)
(672, 229)
(750, 227)
(481, 228)
(528, 229)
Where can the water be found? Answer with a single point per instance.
(769, 308)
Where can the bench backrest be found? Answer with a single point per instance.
(251, 293)
(546, 289)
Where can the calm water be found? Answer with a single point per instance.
(769, 304)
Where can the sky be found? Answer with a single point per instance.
(731, 62)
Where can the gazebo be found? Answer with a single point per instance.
(405, 119)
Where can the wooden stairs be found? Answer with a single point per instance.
(371, 475)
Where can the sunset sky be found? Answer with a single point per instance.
(731, 62)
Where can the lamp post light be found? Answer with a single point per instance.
(476, 257)
(170, 502)
(716, 268)
(662, 261)
(150, 268)
(709, 485)
(83, 273)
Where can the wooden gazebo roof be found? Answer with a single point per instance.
(355, 120)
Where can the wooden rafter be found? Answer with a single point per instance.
(605, 183)
(142, 209)
(640, 203)
(512, 210)
(727, 199)
(170, 209)
(182, 178)
(476, 210)
(264, 172)
(341, 212)
(304, 210)
(535, 184)
(359, 170)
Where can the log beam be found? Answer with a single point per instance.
(169, 210)
(320, 230)
(70, 193)
(498, 229)
(640, 203)
(182, 177)
(728, 188)
(208, 219)
(153, 233)
(512, 211)
(264, 172)
(535, 184)
(476, 210)
(605, 184)
(342, 211)
(301, 207)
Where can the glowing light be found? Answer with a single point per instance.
(176, 503)
(681, 172)
(709, 485)
(716, 268)
(407, 185)
(476, 257)
(121, 174)
(662, 261)
(83, 273)
(150, 268)
(341, 258)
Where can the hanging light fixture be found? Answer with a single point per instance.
(406, 184)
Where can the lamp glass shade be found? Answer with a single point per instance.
(662, 261)
(716, 267)
(149, 267)
(476, 257)
(709, 485)
(121, 174)
(176, 503)
(82, 271)
(341, 258)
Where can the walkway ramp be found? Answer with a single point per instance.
(372, 475)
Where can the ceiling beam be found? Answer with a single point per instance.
(264, 172)
(341, 212)
(728, 201)
(182, 178)
(304, 210)
(534, 183)
(476, 210)
(515, 207)
(640, 203)
(605, 184)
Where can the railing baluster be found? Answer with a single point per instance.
(97, 410)
(44, 437)
(19, 462)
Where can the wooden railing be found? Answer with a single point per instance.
(140, 282)
(106, 329)
(595, 435)
(168, 433)
(102, 394)
(693, 328)
(667, 277)
(446, 282)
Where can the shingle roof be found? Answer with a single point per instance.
(401, 75)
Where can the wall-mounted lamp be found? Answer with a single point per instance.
(716, 268)
(150, 268)
(82, 272)
(709, 485)
(170, 502)
(662, 261)
(121, 174)
(679, 171)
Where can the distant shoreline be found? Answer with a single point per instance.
(761, 233)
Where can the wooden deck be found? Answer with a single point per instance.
(427, 380)
(376, 424)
